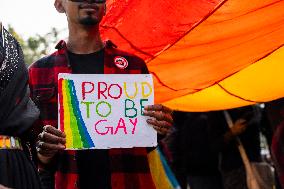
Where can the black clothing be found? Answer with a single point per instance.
(17, 171)
(198, 143)
(17, 114)
(192, 148)
(17, 111)
(250, 138)
(84, 63)
(194, 160)
(94, 163)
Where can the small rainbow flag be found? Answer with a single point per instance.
(71, 121)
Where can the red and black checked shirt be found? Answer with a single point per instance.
(129, 167)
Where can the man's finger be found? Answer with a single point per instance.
(241, 121)
(48, 146)
(45, 150)
(158, 107)
(159, 116)
(50, 138)
(47, 153)
(54, 131)
(161, 124)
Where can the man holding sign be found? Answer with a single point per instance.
(86, 53)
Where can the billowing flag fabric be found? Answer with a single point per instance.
(204, 54)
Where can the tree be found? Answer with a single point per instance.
(37, 46)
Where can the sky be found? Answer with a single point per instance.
(31, 17)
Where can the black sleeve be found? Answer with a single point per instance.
(217, 129)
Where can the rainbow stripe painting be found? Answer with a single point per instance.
(70, 117)
(98, 111)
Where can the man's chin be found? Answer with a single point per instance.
(88, 22)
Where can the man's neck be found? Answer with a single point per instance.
(84, 40)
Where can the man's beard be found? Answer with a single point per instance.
(88, 21)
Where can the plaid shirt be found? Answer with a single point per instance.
(129, 167)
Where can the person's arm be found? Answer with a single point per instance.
(239, 127)
(220, 135)
(46, 139)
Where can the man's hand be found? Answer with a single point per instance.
(50, 141)
(162, 119)
(3, 187)
(239, 127)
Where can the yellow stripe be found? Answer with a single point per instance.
(5, 142)
(8, 143)
(262, 82)
(157, 171)
(1, 142)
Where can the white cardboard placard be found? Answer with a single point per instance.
(104, 111)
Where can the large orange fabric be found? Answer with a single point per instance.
(200, 51)
(260, 82)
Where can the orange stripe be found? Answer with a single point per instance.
(260, 82)
(225, 43)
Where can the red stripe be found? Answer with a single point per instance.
(61, 104)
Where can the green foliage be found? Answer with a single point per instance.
(37, 46)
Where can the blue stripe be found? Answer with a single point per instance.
(168, 171)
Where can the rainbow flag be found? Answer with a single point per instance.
(71, 121)
(208, 54)
(162, 174)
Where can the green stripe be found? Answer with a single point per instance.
(76, 110)
(77, 143)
